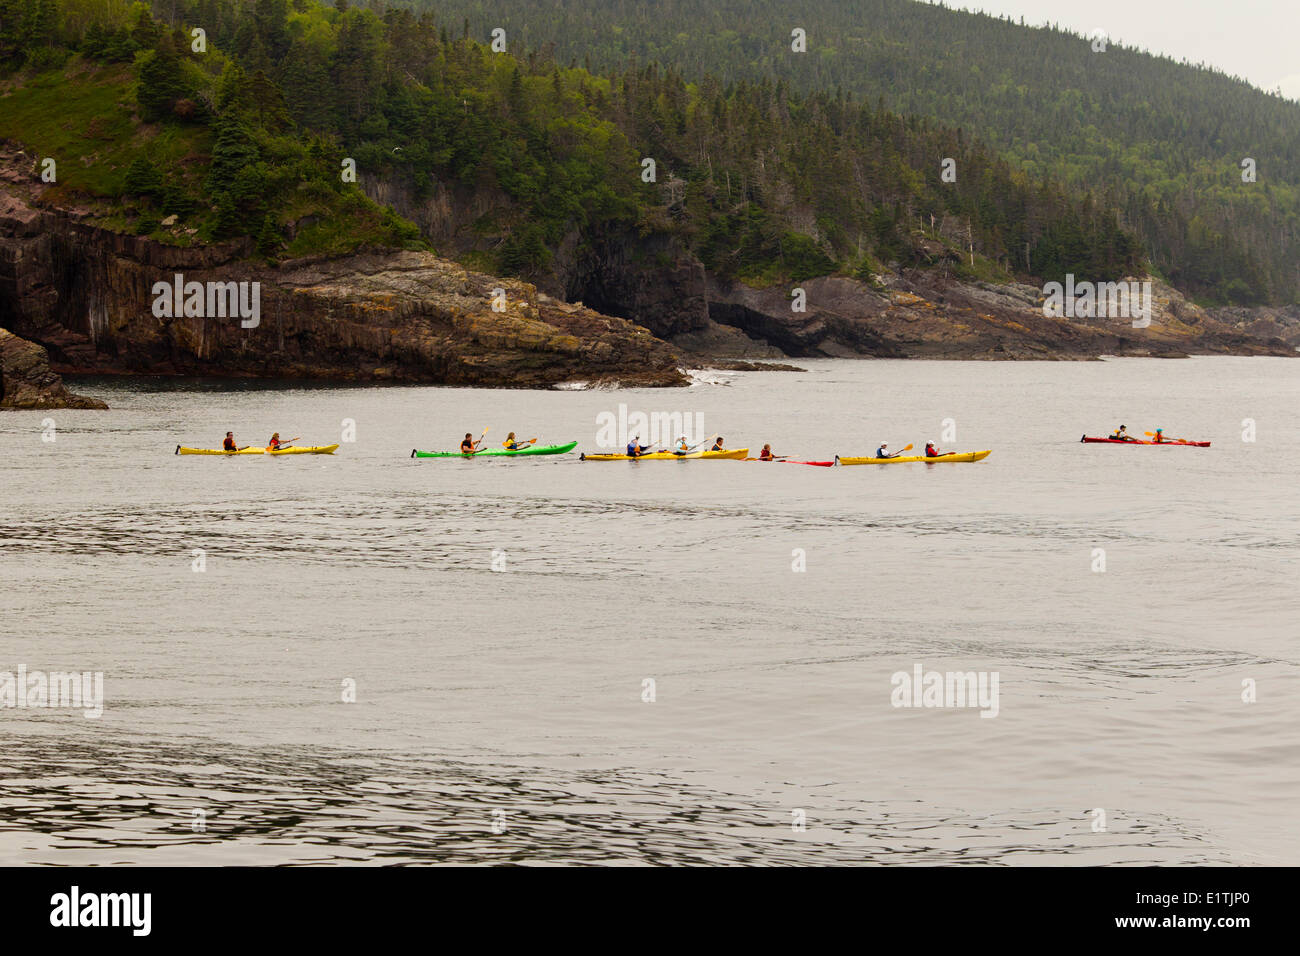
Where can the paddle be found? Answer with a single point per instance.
(907, 447)
(697, 444)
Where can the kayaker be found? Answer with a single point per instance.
(766, 453)
(510, 444)
(683, 447)
(932, 450)
(717, 445)
(469, 445)
(229, 443)
(1121, 434)
(274, 442)
(883, 451)
(635, 449)
(1159, 436)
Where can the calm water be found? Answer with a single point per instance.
(513, 699)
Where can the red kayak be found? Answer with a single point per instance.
(1135, 441)
(819, 464)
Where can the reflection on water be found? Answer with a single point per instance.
(80, 802)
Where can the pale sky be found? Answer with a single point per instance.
(1258, 40)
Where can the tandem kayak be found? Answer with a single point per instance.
(733, 453)
(498, 452)
(791, 461)
(961, 456)
(1137, 441)
(303, 450)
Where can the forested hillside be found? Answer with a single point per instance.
(1160, 140)
(248, 136)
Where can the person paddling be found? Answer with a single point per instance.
(883, 451)
(1159, 436)
(766, 454)
(932, 450)
(275, 442)
(635, 449)
(717, 445)
(511, 444)
(683, 447)
(1121, 434)
(469, 445)
(229, 443)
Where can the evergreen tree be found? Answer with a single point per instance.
(162, 82)
(268, 237)
(233, 151)
(143, 179)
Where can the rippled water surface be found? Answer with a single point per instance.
(513, 700)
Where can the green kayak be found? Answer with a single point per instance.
(494, 452)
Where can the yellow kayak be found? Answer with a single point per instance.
(303, 450)
(734, 453)
(962, 456)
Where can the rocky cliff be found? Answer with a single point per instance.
(27, 382)
(654, 280)
(924, 315)
(89, 296)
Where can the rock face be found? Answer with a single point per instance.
(1263, 322)
(922, 315)
(88, 296)
(27, 382)
(654, 280)
(650, 279)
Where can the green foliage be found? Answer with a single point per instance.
(761, 169)
(1160, 142)
(268, 237)
(143, 179)
(108, 45)
(163, 83)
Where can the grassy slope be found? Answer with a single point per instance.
(84, 117)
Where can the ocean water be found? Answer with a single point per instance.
(609, 662)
